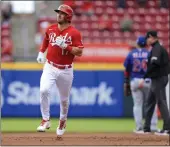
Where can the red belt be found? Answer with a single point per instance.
(59, 66)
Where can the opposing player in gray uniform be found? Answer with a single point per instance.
(135, 69)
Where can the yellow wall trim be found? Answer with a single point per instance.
(77, 66)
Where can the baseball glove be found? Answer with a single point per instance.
(127, 90)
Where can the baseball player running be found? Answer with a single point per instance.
(135, 69)
(64, 42)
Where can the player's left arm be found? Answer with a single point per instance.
(77, 49)
(127, 65)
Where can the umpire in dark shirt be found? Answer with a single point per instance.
(158, 68)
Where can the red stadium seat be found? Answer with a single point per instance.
(117, 34)
(150, 17)
(98, 3)
(78, 3)
(164, 11)
(148, 26)
(136, 26)
(117, 40)
(137, 18)
(99, 11)
(97, 33)
(115, 18)
(84, 18)
(87, 40)
(97, 40)
(94, 25)
(110, 3)
(126, 34)
(110, 11)
(85, 33)
(131, 11)
(159, 19)
(120, 12)
(116, 26)
(152, 4)
(106, 34)
(85, 25)
(130, 3)
(93, 18)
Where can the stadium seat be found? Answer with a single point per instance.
(150, 17)
(110, 3)
(98, 3)
(130, 3)
(106, 34)
(152, 4)
(131, 11)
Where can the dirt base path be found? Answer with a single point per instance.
(83, 139)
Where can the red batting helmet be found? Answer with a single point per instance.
(66, 9)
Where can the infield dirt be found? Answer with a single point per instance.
(73, 139)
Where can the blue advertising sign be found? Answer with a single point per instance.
(93, 94)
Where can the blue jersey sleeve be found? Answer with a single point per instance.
(127, 63)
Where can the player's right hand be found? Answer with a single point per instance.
(41, 58)
(60, 42)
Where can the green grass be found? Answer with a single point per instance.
(73, 125)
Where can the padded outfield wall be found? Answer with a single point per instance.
(97, 91)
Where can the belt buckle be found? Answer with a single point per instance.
(66, 66)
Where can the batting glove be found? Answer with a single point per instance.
(60, 42)
(41, 58)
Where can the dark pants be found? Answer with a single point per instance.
(157, 95)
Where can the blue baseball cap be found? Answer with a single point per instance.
(141, 41)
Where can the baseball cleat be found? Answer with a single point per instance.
(139, 131)
(163, 133)
(142, 131)
(155, 130)
(45, 124)
(61, 128)
(147, 131)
